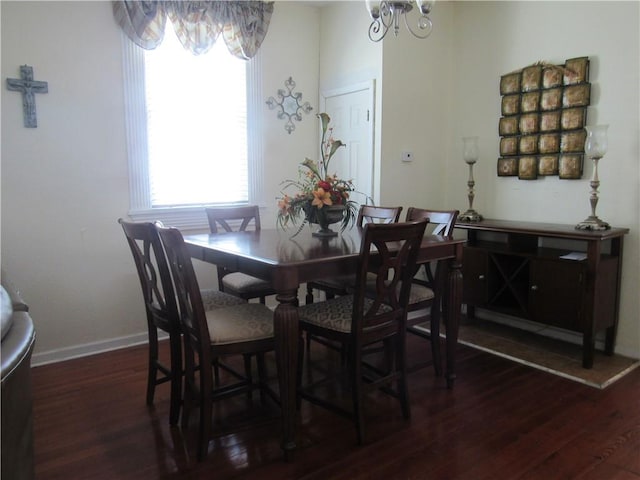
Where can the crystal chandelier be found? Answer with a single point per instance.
(387, 14)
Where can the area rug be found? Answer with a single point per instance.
(541, 352)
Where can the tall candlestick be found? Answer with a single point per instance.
(470, 155)
(595, 147)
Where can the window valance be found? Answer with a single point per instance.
(198, 24)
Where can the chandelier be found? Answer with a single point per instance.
(387, 14)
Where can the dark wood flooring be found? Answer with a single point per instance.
(501, 421)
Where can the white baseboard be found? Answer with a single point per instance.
(77, 351)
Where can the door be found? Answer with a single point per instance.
(351, 112)
(556, 292)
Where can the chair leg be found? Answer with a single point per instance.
(401, 369)
(262, 377)
(435, 341)
(358, 395)
(216, 372)
(309, 298)
(248, 374)
(189, 399)
(206, 411)
(176, 377)
(153, 363)
(300, 366)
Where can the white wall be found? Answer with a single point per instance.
(416, 114)
(436, 91)
(346, 23)
(65, 183)
(495, 38)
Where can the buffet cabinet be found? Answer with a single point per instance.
(546, 273)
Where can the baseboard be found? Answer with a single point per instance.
(84, 350)
(77, 351)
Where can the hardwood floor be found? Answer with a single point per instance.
(501, 421)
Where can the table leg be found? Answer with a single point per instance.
(452, 303)
(285, 323)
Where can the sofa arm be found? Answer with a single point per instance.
(17, 302)
(17, 459)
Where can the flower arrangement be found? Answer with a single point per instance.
(320, 198)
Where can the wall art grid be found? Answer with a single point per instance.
(544, 111)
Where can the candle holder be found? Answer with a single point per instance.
(595, 147)
(470, 155)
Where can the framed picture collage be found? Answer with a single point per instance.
(544, 111)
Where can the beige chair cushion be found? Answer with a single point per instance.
(241, 282)
(212, 299)
(419, 293)
(334, 314)
(240, 323)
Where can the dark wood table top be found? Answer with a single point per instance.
(287, 262)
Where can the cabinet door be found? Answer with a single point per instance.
(556, 292)
(475, 265)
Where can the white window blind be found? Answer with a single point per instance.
(196, 125)
(193, 128)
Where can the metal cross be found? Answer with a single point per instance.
(29, 87)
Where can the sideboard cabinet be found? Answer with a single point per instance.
(547, 273)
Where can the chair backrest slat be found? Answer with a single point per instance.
(389, 251)
(441, 222)
(374, 214)
(153, 273)
(192, 315)
(226, 217)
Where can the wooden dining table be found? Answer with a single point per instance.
(287, 262)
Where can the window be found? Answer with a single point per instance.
(188, 131)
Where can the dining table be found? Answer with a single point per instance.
(288, 261)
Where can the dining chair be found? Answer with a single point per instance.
(245, 329)
(340, 285)
(359, 320)
(161, 309)
(428, 283)
(243, 218)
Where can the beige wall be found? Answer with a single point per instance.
(494, 38)
(65, 183)
(438, 90)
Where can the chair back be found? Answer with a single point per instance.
(373, 214)
(244, 216)
(153, 272)
(192, 315)
(389, 251)
(441, 222)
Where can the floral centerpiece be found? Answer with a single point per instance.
(321, 198)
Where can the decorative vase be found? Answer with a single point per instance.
(324, 217)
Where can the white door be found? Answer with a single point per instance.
(351, 112)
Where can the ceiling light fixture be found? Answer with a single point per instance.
(386, 14)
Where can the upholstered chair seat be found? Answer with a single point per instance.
(335, 314)
(242, 323)
(213, 299)
(248, 285)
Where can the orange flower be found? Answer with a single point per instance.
(320, 198)
(283, 204)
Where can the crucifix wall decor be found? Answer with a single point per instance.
(28, 87)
